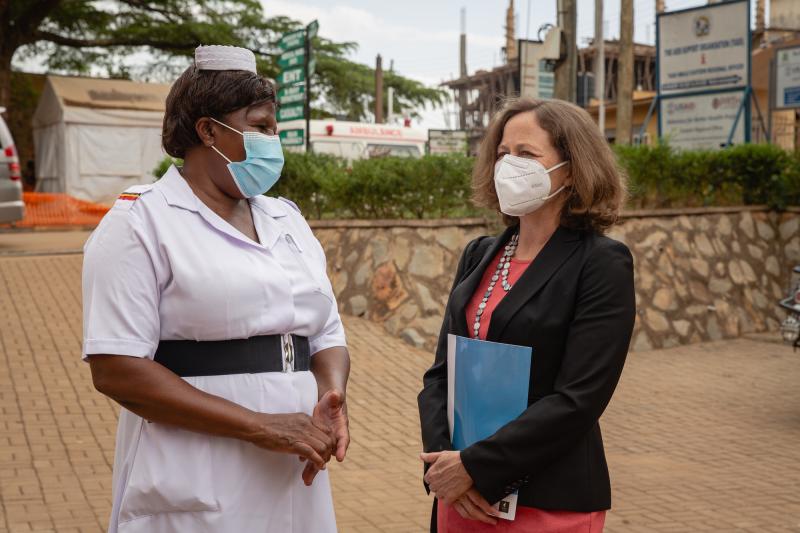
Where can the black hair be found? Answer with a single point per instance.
(207, 93)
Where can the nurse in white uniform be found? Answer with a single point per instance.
(209, 317)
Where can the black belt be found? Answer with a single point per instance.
(265, 353)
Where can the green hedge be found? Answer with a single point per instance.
(389, 187)
(439, 186)
(748, 174)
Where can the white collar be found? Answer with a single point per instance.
(178, 193)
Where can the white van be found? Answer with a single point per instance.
(12, 208)
(355, 140)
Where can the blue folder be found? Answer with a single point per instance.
(487, 387)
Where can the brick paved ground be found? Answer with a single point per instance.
(701, 438)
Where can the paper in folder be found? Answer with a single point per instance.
(487, 387)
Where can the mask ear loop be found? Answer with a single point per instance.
(232, 129)
(554, 167)
(220, 153)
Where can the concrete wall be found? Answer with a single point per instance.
(701, 274)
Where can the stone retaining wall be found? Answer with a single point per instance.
(700, 274)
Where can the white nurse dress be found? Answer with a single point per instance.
(162, 266)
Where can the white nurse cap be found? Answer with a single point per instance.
(218, 57)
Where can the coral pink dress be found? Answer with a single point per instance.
(527, 518)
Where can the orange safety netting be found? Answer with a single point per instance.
(57, 209)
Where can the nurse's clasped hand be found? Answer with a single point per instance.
(331, 410)
(297, 433)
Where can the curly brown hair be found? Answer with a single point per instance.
(598, 187)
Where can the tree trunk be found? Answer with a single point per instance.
(6, 52)
(625, 74)
(5, 77)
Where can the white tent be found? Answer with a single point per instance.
(96, 137)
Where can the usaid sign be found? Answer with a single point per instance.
(702, 121)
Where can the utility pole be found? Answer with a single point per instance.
(600, 65)
(625, 73)
(307, 98)
(462, 54)
(511, 34)
(760, 16)
(378, 90)
(566, 74)
(390, 104)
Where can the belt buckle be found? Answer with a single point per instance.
(287, 349)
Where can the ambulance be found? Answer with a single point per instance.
(354, 140)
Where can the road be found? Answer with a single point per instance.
(699, 438)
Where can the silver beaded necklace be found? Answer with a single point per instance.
(500, 274)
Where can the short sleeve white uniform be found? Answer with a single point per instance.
(163, 266)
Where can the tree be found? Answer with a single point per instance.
(73, 36)
(342, 85)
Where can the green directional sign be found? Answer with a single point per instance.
(292, 137)
(291, 76)
(290, 41)
(297, 65)
(291, 112)
(292, 94)
(312, 29)
(292, 58)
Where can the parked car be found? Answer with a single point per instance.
(12, 208)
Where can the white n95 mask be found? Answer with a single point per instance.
(522, 184)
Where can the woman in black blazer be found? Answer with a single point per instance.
(551, 281)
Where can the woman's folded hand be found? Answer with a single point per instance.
(447, 477)
(473, 506)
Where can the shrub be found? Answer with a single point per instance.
(438, 186)
(387, 187)
(312, 182)
(164, 165)
(660, 176)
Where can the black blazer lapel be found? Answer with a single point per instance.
(559, 248)
(466, 288)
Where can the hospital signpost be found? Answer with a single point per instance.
(291, 137)
(297, 67)
(703, 76)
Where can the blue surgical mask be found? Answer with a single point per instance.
(262, 165)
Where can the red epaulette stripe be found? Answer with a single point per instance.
(129, 196)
